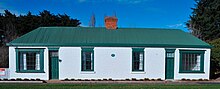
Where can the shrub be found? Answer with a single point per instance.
(183, 79)
(66, 79)
(12, 79)
(38, 79)
(26, 79)
(187, 79)
(127, 79)
(152, 79)
(133, 79)
(200, 79)
(146, 79)
(159, 79)
(33, 79)
(5, 79)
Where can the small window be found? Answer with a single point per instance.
(191, 61)
(170, 54)
(87, 59)
(137, 59)
(29, 60)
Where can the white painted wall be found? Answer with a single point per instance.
(12, 66)
(106, 66)
(205, 75)
(118, 67)
(155, 62)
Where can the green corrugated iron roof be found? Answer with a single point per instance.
(100, 36)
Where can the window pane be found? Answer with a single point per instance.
(191, 61)
(87, 61)
(54, 54)
(138, 61)
(141, 58)
(24, 61)
(37, 61)
(170, 54)
(31, 60)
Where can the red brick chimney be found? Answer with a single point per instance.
(111, 22)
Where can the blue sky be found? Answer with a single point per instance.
(130, 13)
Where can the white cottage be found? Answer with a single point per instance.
(100, 53)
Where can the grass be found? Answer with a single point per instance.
(107, 86)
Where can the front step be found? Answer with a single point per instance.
(53, 81)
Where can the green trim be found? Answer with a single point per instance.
(87, 50)
(112, 45)
(141, 50)
(138, 49)
(201, 52)
(29, 49)
(17, 60)
(53, 49)
(191, 72)
(170, 50)
(30, 71)
(41, 60)
(19, 57)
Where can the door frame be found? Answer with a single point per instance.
(173, 58)
(50, 63)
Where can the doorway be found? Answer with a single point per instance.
(53, 64)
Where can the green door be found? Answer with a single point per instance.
(169, 64)
(169, 68)
(54, 65)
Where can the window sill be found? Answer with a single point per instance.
(192, 72)
(30, 72)
(138, 72)
(87, 72)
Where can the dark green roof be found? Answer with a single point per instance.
(100, 36)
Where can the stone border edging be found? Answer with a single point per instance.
(21, 81)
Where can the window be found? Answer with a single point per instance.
(138, 59)
(87, 59)
(169, 54)
(191, 61)
(29, 60)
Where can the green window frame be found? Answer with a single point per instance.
(87, 59)
(137, 59)
(29, 60)
(191, 61)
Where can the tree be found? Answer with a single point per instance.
(204, 22)
(92, 21)
(8, 30)
(215, 58)
(12, 26)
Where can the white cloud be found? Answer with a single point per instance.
(176, 25)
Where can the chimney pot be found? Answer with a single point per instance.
(111, 22)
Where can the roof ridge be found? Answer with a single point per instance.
(105, 28)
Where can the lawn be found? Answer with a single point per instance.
(106, 86)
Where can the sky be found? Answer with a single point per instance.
(130, 13)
